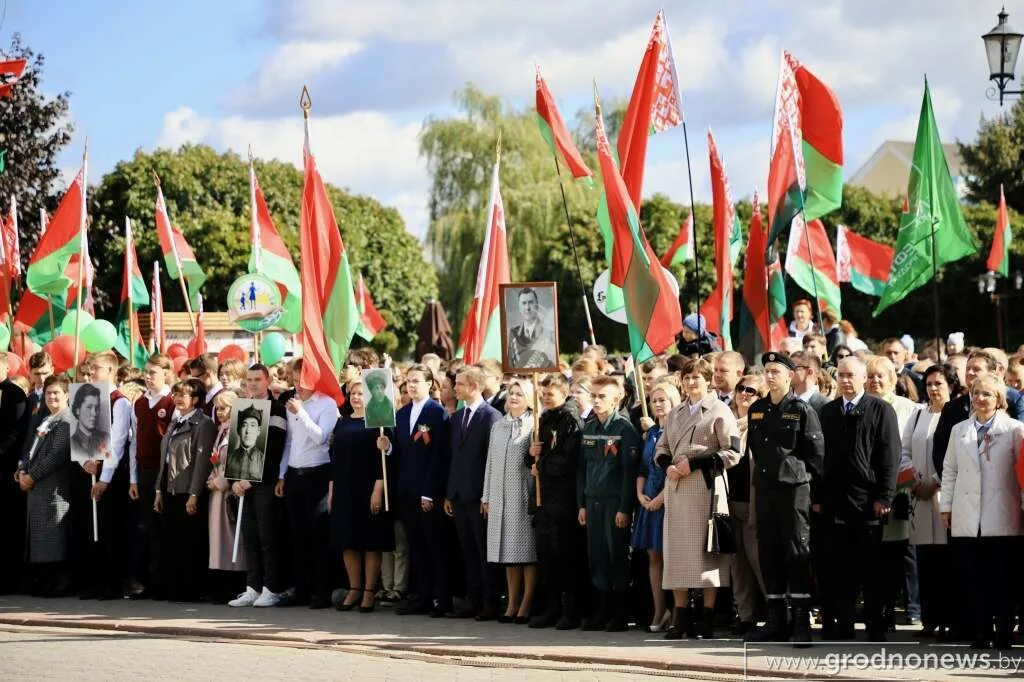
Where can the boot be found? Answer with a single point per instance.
(681, 624)
(775, 629)
(570, 620)
(801, 637)
(599, 618)
(706, 629)
(617, 622)
(550, 615)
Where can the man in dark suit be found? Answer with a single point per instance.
(471, 431)
(862, 456)
(40, 367)
(14, 418)
(420, 450)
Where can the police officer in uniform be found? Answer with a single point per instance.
(785, 442)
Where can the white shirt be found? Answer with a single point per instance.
(133, 467)
(806, 395)
(120, 427)
(470, 409)
(414, 414)
(309, 433)
(176, 419)
(801, 333)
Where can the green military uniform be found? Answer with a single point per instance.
(606, 484)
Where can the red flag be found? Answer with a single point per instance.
(370, 320)
(555, 133)
(717, 309)
(682, 248)
(12, 248)
(636, 126)
(10, 74)
(999, 255)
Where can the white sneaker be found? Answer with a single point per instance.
(267, 598)
(247, 598)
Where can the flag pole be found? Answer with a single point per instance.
(810, 260)
(81, 272)
(536, 434)
(935, 293)
(130, 267)
(177, 262)
(693, 217)
(575, 253)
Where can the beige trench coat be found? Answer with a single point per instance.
(687, 501)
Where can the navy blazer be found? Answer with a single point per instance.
(421, 465)
(469, 453)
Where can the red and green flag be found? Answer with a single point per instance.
(10, 73)
(329, 312)
(554, 132)
(681, 250)
(370, 321)
(999, 255)
(270, 257)
(9, 236)
(812, 264)
(481, 332)
(652, 307)
(178, 256)
(48, 268)
(933, 232)
(134, 295)
(761, 324)
(862, 262)
(33, 317)
(718, 308)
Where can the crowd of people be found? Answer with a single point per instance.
(695, 495)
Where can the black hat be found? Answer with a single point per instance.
(250, 413)
(780, 358)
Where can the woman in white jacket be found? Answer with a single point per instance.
(981, 504)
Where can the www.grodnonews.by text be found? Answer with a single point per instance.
(834, 663)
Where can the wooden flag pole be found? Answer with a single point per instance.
(256, 347)
(49, 308)
(536, 432)
(177, 262)
(238, 530)
(131, 304)
(384, 472)
(81, 273)
(95, 516)
(641, 391)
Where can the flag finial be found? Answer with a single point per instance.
(250, 153)
(597, 98)
(305, 101)
(156, 178)
(497, 153)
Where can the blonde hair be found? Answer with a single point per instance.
(669, 388)
(883, 365)
(994, 384)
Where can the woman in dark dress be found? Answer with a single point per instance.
(360, 527)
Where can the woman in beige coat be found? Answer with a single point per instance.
(222, 517)
(700, 439)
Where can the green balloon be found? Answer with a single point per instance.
(272, 348)
(5, 336)
(68, 325)
(99, 336)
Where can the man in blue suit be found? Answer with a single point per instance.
(420, 450)
(471, 431)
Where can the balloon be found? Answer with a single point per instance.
(232, 351)
(62, 352)
(23, 345)
(176, 350)
(15, 366)
(179, 363)
(5, 336)
(271, 348)
(68, 325)
(99, 336)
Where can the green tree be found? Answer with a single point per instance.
(996, 157)
(208, 198)
(34, 127)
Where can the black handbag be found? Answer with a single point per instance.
(721, 539)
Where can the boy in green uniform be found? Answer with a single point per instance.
(606, 482)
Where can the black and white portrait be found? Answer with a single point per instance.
(529, 327)
(90, 421)
(247, 442)
(379, 398)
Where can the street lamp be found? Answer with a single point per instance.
(1002, 45)
(987, 285)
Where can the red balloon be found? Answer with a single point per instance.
(179, 364)
(176, 350)
(22, 345)
(62, 352)
(15, 366)
(232, 352)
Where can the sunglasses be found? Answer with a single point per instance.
(749, 390)
(840, 356)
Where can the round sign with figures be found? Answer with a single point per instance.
(254, 303)
(610, 301)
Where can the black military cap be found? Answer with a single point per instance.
(250, 412)
(780, 358)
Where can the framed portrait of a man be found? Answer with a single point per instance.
(529, 327)
(247, 441)
(379, 398)
(89, 416)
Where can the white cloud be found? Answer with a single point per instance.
(180, 126)
(293, 64)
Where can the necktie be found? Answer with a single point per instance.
(849, 408)
(466, 418)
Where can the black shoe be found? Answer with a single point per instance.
(414, 609)
(925, 632)
(469, 610)
(293, 599)
(506, 619)
(706, 629)
(742, 628)
(981, 643)
(570, 620)
(801, 637)
(522, 620)
(488, 613)
(1003, 642)
(617, 622)
(776, 628)
(877, 635)
(550, 615)
(346, 606)
(441, 611)
(599, 618)
(320, 601)
(680, 624)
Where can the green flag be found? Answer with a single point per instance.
(934, 215)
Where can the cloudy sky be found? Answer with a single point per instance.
(147, 74)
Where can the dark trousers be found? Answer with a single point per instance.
(472, 530)
(13, 511)
(261, 524)
(305, 494)
(821, 568)
(607, 546)
(99, 566)
(424, 533)
(145, 542)
(185, 552)
(893, 578)
(935, 576)
(991, 587)
(856, 564)
(784, 542)
(561, 549)
(911, 581)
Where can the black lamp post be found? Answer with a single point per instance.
(987, 284)
(1002, 45)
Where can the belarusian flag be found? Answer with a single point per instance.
(9, 229)
(47, 269)
(158, 337)
(329, 312)
(197, 346)
(759, 329)
(554, 132)
(652, 307)
(934, 224)
(129, 341)
(999, 255)
(481, 332)
(808, 125)
(10, 74)
(370, 320)
(33, 317)
(178, 255)
(717, 309)
(270, 257)
(812, 264)
(862, 262)
(87, 278)
(682, 248)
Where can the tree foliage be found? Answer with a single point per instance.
(996, 157)
(208, 199)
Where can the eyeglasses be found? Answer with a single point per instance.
(840, 356)
(749, 390)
